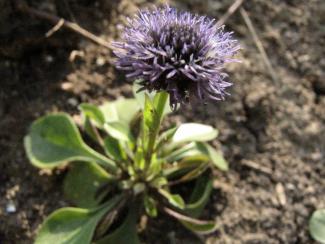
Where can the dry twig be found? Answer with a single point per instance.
(55, 28)
(256, 166)
(231, 10)
(258, 44)
(60, 21)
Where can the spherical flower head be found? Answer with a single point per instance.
(177, 52)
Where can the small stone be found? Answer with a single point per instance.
(100, 61)
(290, 186)
(316, 156)
(11, 208)
(279, 188)
(66, 86)
(73, 101)
(49, 58)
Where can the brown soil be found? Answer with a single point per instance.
(271, 131)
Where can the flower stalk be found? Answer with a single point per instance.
(159, 107)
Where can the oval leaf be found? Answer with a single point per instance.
(82, 183)
(195, 173)
(93, 112)
(90, 130)
(174, 199)
(72, 225)
(216, 157)
(200, 226)
(113, 148)
(317, 225)
(194, 132)
(197, 149)
(119, 131)
(188, 150)
(203, 228)
(185, 165)
(55, 139)
(122, 110)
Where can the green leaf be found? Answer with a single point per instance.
(317, 225)
(122, 110)
(197, 149)
(216, 157)
(54, 140)
(174, 199)
(204, 228)
(126, 233)
(199, 197)
(165, 137)
(195, 225)
(194, 132)
(150, 206)
(72, 225)
(150, 115)
(185, 165)
(139, 162)
(159, 182)
(188, 150)
(82, 182)
(195, 160)
(140, 95)
(119, 131)
(195, 173)
(161, 105)
(90, 129)
(155, 167)
(113, 148)
(92, 118)
(94, 113)
(150, 124)
(138, 188)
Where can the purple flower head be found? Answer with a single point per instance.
(177, 52)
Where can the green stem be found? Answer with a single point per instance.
(159, 104)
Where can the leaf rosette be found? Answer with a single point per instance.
(131, 169)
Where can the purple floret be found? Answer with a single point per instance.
(177, 52)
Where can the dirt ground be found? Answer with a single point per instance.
(271, 129)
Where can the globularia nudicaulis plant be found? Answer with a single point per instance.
(134, 167)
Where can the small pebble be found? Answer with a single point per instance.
(73, 101)
(100, 61)
(279, 188)
(11, 208)
(66, 86)
(49, 58)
